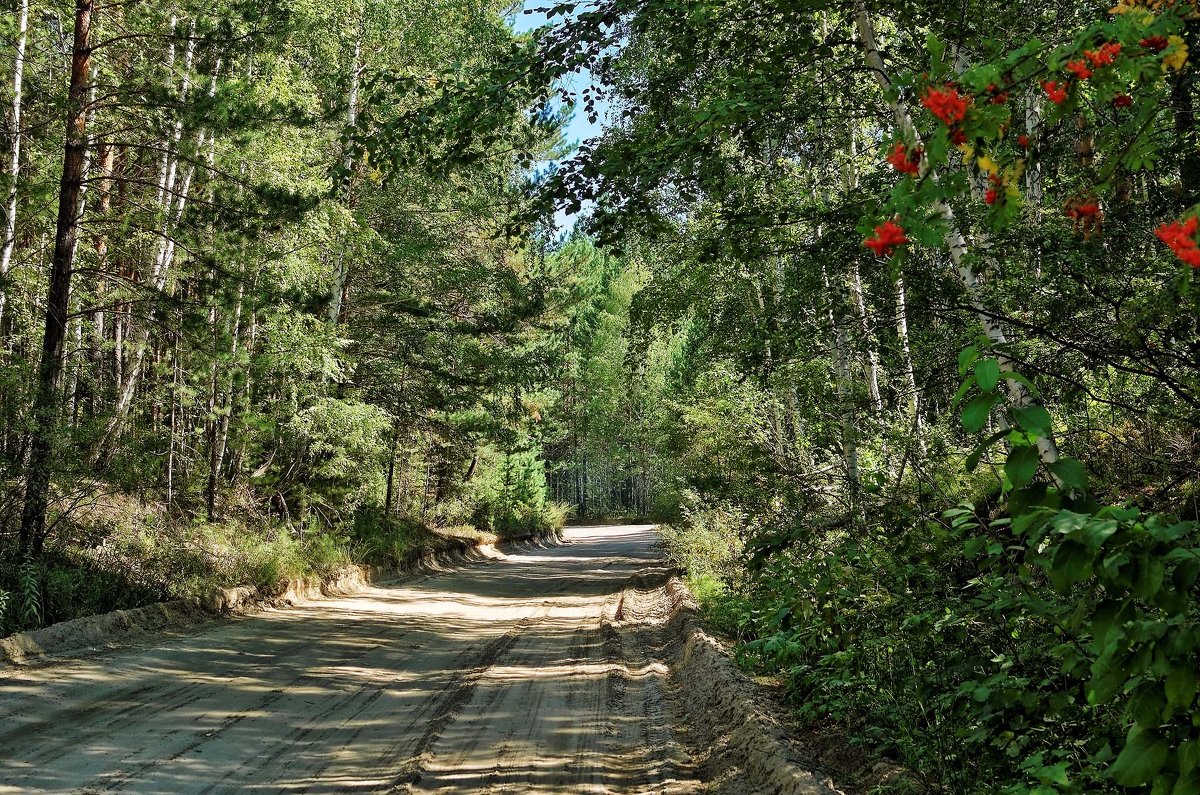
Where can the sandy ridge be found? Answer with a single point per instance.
(738, 746)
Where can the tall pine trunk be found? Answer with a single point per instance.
(337, 291)
(47, 403)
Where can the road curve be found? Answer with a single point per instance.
(498, 677)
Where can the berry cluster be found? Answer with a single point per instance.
(995, 183)
(1081, 212)
(905, 162)
(1181, 239)
(1155, 43)
(1057, 92)
(1079, 69)
(888, 235)
(1105, 56)
(946, 103)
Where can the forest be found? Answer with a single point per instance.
(888, 313)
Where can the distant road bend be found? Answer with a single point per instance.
(501, 677)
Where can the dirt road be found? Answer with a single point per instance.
(495, 677)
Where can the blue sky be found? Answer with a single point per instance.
(578, 128)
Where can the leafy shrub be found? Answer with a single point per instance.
(6, 623)
(386, 540)
(709, 540)
(340, 444)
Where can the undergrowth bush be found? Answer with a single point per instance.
(708, 540)
(980, 656)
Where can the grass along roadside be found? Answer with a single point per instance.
(123, 553)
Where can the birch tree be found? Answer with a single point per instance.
(9, 241)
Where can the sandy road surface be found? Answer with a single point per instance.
(495, 677)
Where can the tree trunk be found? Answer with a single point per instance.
(107, 157)
(770, 327)
(174, 423)
(391, 473)
(910, 375)
(220, 441)
(338, 289)
(47, 404)
(850, 182)
(10, 217)
(77, 320)
(860, 306)
(841, 372)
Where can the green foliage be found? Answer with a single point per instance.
(340, 445)
(1115, 593)
(510, 497)
(29, 609)
(6, 624)
(708, 541)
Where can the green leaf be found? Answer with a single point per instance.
(1072, 563)
(1148, 575)
(1186, 574)
(935, 47)
(1054, 774)
(1161, 531)
(966, 358)
(981, 448)
(1021, 465)
(975, 414)
(962, 392)
(1181, 685)
(1187, 783)
(1102, 686)
(1189, 756)
(1140, 759)
(1110, 613)
(1147, 704)
(1070, 473)
(1033, 419)
(987, 374)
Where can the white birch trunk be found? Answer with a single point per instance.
(165, 160)
(841, 370)
(9, 242)
(910, 375)
(176, 201)
(860, 306)
(338, 288)
(850, 183)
